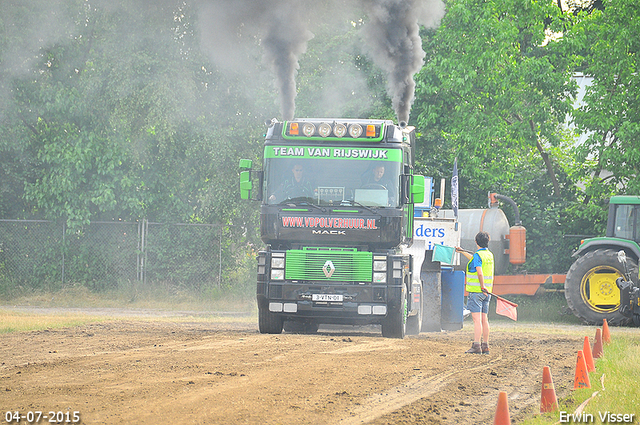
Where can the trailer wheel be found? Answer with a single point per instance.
(590, 286)
(268, 322)
(395, 324)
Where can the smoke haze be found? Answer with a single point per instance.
(282, 28)
(392, 35)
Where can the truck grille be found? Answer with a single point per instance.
(349, 264)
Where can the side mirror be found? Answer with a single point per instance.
(417, 189)
(245, 185)
(246, 164)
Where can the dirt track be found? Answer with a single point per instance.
(150, 372)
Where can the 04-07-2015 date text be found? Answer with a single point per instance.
(34, 417)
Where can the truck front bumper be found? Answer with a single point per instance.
(334, 303)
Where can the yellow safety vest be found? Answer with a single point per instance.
(473, 282)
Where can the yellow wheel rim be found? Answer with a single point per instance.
(599, 290)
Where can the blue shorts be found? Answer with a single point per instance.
(478, 302)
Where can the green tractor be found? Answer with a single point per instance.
(590, 285)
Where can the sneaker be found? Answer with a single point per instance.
(484, 347)
(475, 349)
(465, 313)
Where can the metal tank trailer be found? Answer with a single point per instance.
(507, 243)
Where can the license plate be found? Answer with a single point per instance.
(336, 298)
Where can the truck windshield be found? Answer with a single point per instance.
(332, 176)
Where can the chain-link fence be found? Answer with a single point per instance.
(35, 253)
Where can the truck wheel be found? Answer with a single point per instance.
(268, 322)
(414, 323)
(590, 286)
(395, 324)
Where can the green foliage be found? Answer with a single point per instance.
(80, 175)
(495, 93)
(504, 92)
(611, 154)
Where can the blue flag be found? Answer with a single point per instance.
(454, 188)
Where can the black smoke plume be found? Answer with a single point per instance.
(392, 34)
(285, 40)
(282, 29)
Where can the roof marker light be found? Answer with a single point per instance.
(308, 129)
(324, 129)
(371, 130)
(340, 130)
(355, 130)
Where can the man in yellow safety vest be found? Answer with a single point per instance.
(479, 284)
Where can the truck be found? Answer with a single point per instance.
(590, 286)
(337, 203)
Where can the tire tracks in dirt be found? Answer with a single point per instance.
(415, 389)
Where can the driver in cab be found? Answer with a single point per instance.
(375, 179)
(296, 186)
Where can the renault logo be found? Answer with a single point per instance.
(328, 268)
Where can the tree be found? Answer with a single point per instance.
(494, 93)
(112, 111)
(610, 113)
(505, 88)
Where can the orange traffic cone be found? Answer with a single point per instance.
(502, 411)
(548, 400)
(597, 345)
(606, 336)
(588, 357)
(582, 376)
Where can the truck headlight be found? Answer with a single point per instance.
(380, 266)
(277, 274)
(380, 277)
(277, 263)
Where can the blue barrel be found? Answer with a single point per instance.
(452, 299)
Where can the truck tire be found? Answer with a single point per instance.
(590, 286)
(395, 324)
(414, 323)
(268, 322)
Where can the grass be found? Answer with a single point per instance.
(130, 300)
(15, 321)
(136, 295)
(616, 381)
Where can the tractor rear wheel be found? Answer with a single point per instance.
(590, 286)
